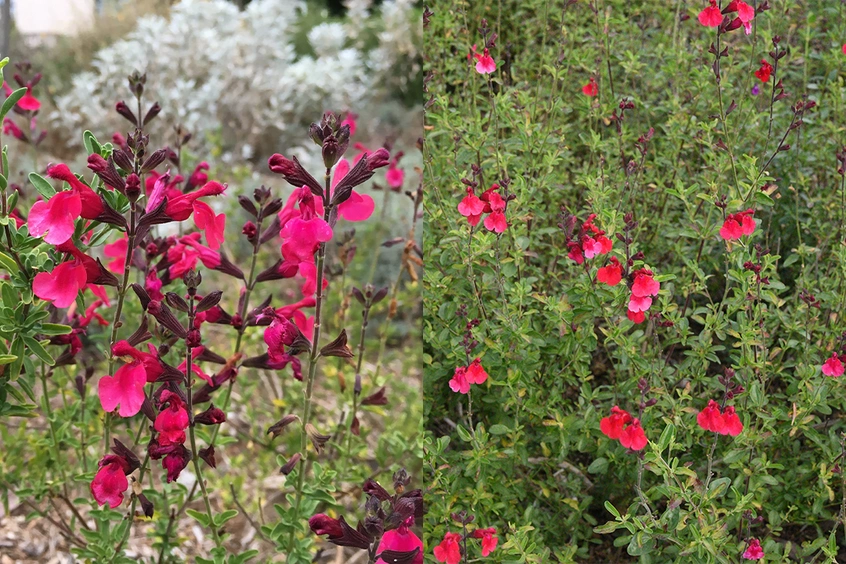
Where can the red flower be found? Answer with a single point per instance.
(737, 225)
(28, 101)
(639, 304)
(733, 426)
(833, 367)
(110, 482)
(636, 316)
(763, 73)
(633, 436)
(485, 63)
(590, 89)
(475, 373)
(459, 382)
(612, 426)
(710, 418)
(449, 550)
(489, 540)
(745, 15)
(644, 284)
(590, 242)
(711, 16)
(754, 550)
(727, 423)
(610, 274)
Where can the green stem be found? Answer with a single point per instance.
(312, 360)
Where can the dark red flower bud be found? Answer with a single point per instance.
(211, 416)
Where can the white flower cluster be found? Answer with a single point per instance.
(235, 76)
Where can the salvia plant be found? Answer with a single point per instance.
(127, 329)
(634, 332)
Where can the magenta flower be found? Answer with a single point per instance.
(833, 366)
(279, 334)
(754, 550)
(126, 387)
(172, 420)
(358, 207)
(459, 382)
(110, 482)
(301, 237)
(401, 540)
(55, 217)
(117, 251)
(62, 284)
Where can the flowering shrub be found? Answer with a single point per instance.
(151, 351)
(659, 310)
(220, 70)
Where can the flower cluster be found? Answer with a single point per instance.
(490, 202)
(620, 425)
(464, 376)
(724, 422)
(711, 16)
(588, 242)
(737, 225)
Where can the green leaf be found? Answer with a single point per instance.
(11, 101)
(499, 429)
(464, 434)
(50, 329)
(612, 510)
(7, 358)
(44, 188)
(219, 520)
(667, 436)
(8, 263)
(202, 518)
(38, 349)
(91, 143)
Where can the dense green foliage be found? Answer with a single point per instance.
(527, 455)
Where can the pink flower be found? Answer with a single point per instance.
(484, 62)
(279, 334)
(737, 225)
(172, 420)
(636, 316)
(471, 204)
(639, 304)
(395, 176)
(62, 284)
(496, 220)
(610, 274)
(711, 16)
(301, 237)
(55, 217)
(400, 540)
(27, 102)
(117, 250)
(350, 120)
(126, 387)
(110, 482)
(754, 550)
(449, 550)
(92, 207)
(11, 128)
(833, 366)
(358, 207)
(212, 225)
(459, 382)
